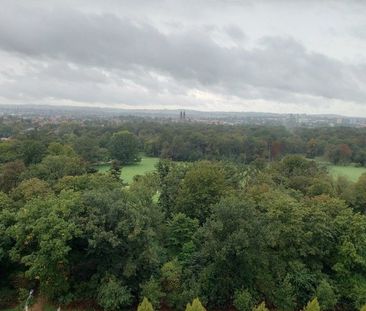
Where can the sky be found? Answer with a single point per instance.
(281, 56)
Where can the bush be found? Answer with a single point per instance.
(243, 300)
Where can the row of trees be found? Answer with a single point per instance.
(34, 147)
(196, 305)
(100, 140)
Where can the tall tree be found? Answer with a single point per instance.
(124, 147)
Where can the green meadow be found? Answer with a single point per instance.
(348, 171)
(146, 165)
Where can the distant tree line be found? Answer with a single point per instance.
(101, 140)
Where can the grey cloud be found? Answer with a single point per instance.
(139, 51)
(235, 32)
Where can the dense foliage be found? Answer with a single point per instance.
(228, 232)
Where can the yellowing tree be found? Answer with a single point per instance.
(312, 305)
(261, 307)
(195, 306)
(145, 305)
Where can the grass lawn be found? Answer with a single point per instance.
(146, 165)
(351, 172)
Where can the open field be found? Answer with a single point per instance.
(351, 172)
(146, 165)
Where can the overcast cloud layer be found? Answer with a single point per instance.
(276, 56)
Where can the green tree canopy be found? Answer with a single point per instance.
(124, 147)
(112, 295)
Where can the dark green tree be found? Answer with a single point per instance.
(112, 295)
(124, 147)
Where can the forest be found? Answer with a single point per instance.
(232, 218)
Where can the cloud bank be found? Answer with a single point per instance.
(86, 54)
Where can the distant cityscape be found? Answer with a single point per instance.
(58, 114)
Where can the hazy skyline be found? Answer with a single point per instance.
(266, 56)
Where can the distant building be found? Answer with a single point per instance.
(182, 115)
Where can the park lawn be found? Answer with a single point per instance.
(349, 171)
(146, 165)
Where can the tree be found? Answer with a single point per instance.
(326, 295)
(44, 229)
(112, 295)
(53, 168)
(170, 175)
(145, 305)
(30, 189)
(284, 295)
(124, 147)
(230, 248)
(32, 151)
(171, 280)
(152, 291)
(116, 170)
(195, 306)
(57, 149)
(180, 231)
(88, 148)
(339, 153)
(243, 300)
(313, 305)
(10, 175)
(7, 267)
(312, 148)
(261, 307)
(202, 186)
(8, 151)
(357, 195)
